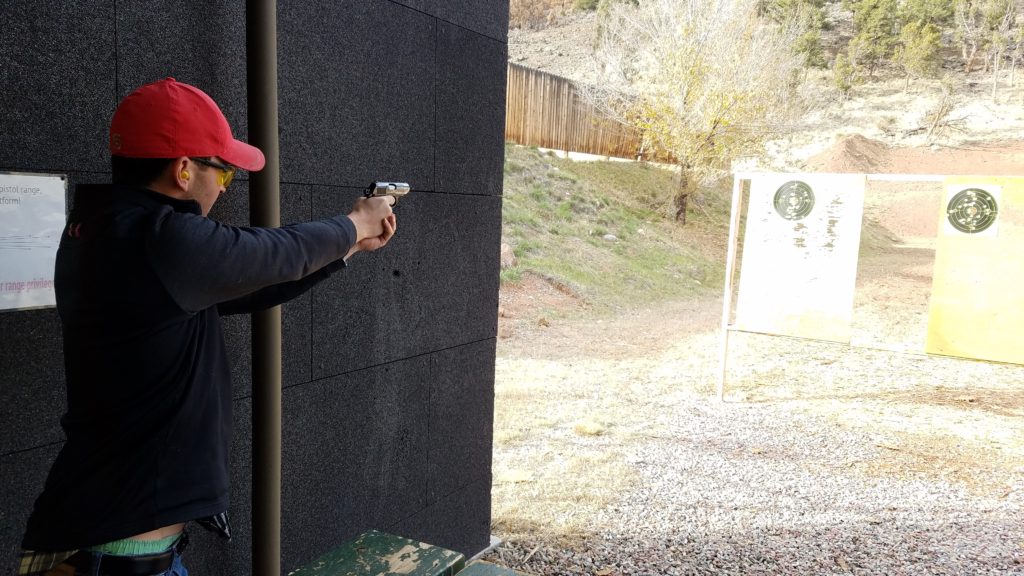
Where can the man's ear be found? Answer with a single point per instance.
(180, 173)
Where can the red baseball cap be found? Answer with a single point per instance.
(168, 119)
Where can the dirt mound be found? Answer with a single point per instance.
(853, 154)
(990, 159)
(857, 154)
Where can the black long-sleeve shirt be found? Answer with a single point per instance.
(141, 282)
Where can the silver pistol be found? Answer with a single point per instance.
(394, 189)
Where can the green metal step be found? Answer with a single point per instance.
(376, 553)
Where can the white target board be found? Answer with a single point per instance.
(799, 261)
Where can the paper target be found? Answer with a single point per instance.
(794, 200)
(974, 307)
(972, 210)
(799, 265)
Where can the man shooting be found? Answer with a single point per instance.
(142, 278)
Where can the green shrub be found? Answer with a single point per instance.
(539, 194)
(843, 74)
(524, 247)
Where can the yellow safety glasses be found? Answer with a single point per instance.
(227, 171)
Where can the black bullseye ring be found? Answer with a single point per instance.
(972, 210)
(794, 200)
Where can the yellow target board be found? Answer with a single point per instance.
(976, 308)
(799, 262)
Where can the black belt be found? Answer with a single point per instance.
(146, 565)
(124, 565)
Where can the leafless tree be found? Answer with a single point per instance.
(1003, 18)
(969, 30)
(705, 80)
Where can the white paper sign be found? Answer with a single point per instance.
(32, 217)
(799, 263)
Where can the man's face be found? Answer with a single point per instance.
(207, 184)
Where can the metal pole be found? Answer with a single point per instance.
(265, 210)
(730, 267)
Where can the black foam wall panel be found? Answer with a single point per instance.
(388, 365)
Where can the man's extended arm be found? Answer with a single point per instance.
(278, 293)
(202, 262)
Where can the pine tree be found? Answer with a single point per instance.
(918, 51)
(843, 74)
(938, 13)
(808, 16)
(876, 32)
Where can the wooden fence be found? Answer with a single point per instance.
(547, 111)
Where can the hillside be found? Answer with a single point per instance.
(597, 236)
(882, 109)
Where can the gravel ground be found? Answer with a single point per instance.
(756, 489)
(825, 459)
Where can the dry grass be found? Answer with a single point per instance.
(957, 420)
(567, 414)
(560, 461)
(570, 489)
(979, 467)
